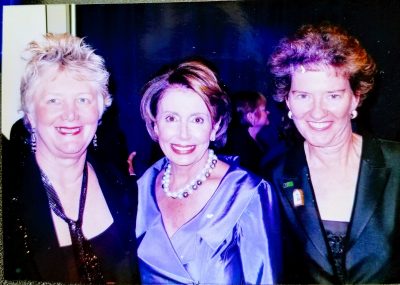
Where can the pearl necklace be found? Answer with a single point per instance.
(194, 184)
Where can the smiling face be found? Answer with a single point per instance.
(321, 103)
(65, 114)
(183, 125)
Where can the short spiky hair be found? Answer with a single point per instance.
(62, 52)
(315, 47)
(198, 77)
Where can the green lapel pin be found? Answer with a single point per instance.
(288, 184)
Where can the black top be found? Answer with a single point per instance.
(110, 253)
(336, 233)
(31, 249)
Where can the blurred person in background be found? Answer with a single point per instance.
(251, 135)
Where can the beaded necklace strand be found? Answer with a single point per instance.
(194, 184)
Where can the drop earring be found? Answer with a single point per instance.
(290, 115)
(94, 141)
(33, 140)
(353, 114)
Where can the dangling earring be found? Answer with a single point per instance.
(212, 138)
(33, 140)
(290, 114)
(353, 114)
(94, 141)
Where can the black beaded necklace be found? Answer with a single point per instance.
(87, 262)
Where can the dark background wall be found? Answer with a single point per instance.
(136, 40)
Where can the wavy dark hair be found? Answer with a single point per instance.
(316, 47)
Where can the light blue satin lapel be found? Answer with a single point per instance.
(230, 205)
(166, 256)
(149, 224)
(212, 224)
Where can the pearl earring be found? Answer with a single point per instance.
(353, 114)
(290, 114)
(212, 137)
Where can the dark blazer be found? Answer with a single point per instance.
(31, 250)
(372, 244)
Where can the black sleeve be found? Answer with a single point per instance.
(17, 262)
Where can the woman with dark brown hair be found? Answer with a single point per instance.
(340, 191)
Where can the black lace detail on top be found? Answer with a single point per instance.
(336, 234)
